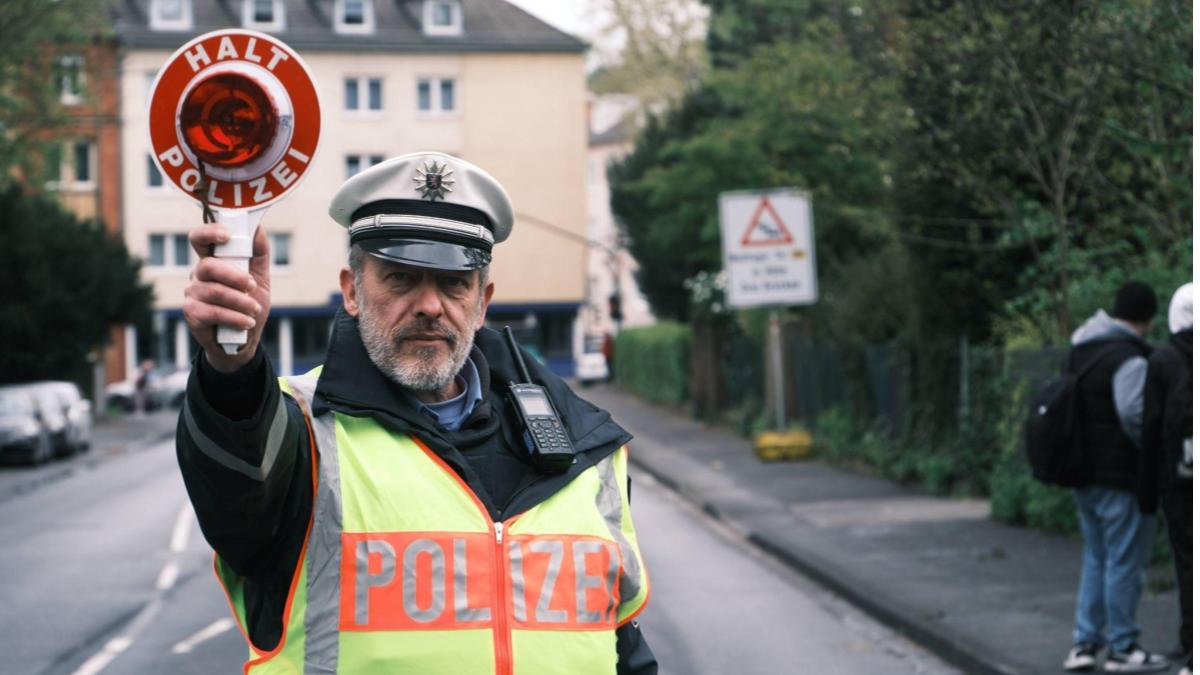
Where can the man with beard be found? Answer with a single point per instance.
(388, 512)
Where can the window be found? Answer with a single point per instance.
(436, 94)
(170, 14)
(443, 17)
(158, 251)
(373, 87)
(356, 163)
(181, 248)
(81, 161)
(154, 177)
(354, 16)
(264, 14)
(281, 249)
(70, 73)
(178, 255)
(375, 93)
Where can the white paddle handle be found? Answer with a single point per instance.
(241, 224)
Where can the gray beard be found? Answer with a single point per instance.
(427, 369)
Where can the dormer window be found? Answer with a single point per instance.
(443, 17)
(71, 79)
(171, 14)
(263, 14)
(354, 16)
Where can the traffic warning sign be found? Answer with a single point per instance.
(766, 228)
(768, 247)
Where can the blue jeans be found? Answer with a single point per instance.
(1117, 540)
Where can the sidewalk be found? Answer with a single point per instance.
(986, 597)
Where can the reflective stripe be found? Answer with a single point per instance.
(230, 461)
(462, 608)
(324, 558)
(365, 580)
(437, 576)
(584, 581)
(608, 501)
(517, 570)
(543, 612)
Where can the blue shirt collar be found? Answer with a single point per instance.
(452, 413)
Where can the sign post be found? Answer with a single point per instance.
(770, 261)
(234, 124)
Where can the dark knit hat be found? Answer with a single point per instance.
(1135, 302)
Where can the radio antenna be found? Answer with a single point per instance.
(516, 352)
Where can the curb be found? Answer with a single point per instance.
(952, 651)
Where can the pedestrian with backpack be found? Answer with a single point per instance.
(1110, 352)
(1165, 474)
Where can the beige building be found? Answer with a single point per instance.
(480, 79)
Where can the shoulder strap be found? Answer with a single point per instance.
(1095, 360)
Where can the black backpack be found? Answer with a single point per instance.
(1177, 424)
(1054, 430)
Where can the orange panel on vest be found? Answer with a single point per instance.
(447, 580)
(564, 582)
(416, 581)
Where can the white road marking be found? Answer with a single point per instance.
(166, 579)
(183, 527)
(168, 575)
(209, 632)
(102, 658)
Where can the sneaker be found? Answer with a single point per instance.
(1134, 660)
(1187, 670)
(1081, 657)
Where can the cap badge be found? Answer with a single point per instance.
(434, 181)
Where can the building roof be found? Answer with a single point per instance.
(488, 26)
(621, 132)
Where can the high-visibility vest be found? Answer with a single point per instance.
(404, 571)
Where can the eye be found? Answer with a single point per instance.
(457, 283)
(400, 277)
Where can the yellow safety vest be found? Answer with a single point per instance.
(404, 571)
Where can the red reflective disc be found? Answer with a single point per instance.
(228, 120)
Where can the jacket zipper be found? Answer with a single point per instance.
(503, 638)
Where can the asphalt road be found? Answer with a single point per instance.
(105, 571)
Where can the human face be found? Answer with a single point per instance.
(418, 324)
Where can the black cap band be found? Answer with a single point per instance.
(416, 207)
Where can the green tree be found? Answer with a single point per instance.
(662, 55)
(65, 282)
(31, 33)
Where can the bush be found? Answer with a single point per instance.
(653, 362)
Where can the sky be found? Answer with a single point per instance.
(572, 16)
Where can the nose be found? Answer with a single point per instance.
(428, 303)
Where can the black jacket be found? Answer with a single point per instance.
(1168, 365)
(1111, 454)
(257, 522)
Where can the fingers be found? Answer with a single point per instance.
(223, 297)
(204, 237)
(215, 270)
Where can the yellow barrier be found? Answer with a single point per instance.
(776, 446)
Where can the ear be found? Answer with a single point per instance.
(349, 296)
(487, 300)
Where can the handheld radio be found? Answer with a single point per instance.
(543, 432)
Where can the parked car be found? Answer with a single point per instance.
(590, 364)
(165, 386)
(53, 416)
(78, 411)
(23, 437)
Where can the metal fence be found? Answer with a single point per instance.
(895, 385)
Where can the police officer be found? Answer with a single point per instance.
(397, 510)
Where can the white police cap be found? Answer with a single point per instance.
(426, 209)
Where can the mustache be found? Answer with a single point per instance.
(425, 329)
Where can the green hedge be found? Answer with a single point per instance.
(653, 361)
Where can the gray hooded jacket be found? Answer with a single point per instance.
(1129, 380)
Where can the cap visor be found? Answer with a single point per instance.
(438, 255)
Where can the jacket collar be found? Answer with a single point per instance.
(350, 383)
